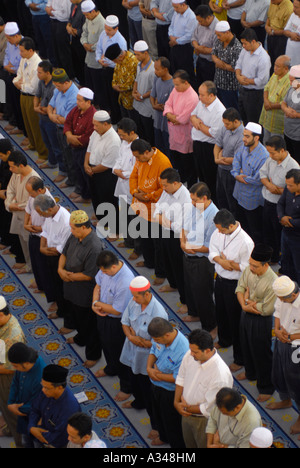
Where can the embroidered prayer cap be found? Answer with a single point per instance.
(222, 26)
(101, 116)
(262, 253)
(140, 46)
(86, 93)
(59, 75)
(79, 217)
(87, 6)
(254, 128)
(283, 286)
(55, 374)
(112, 21)
(3, 303)
(261, 437)
(11, 28)
(139, 284)
(113, 51)
(295, 71)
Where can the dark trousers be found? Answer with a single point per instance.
(285, 372)
(272, 229)
(83, 183)
(102, 189)
(251, 221)
(224, 191)
(151, 247)
(250, 104)
(161, 141)
(61, 47)
(94, 80)
(173, 262)
(229, 98)
(110, 97)
(68, 160)
(290, 255)
(228, 314)
(293, 147)
(112, 339)
(49, 135)
(167, 418)
(205, 70)
(13, 97)
(135, 31)
(142, 392)
(256, 341)
(85, 322)
(199, 290)
(162, 39)
(182, 58)
(38, 264)
(78, 57)
(145, 127)
(185, 165)
(276, 46)
(42, 31)
(206, 167)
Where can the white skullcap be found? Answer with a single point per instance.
(178, 1)
(254, 128)
(11, 29)
(139, 284)
(222, 26)
(295, 71)
(261, 437)
(101, 116)
(3, 303)
(112, 21)
(140, 46)
(95, 444)
(87, 6)
(86, 93)
(283, 286)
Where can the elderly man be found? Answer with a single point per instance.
(142, 308)
(291, 109)
(78, 128)
(197, 229)
(100, 158)
(178, 108)
(10, 333)
(256, 297)
(77, 269)
(272, 175)
(278, 15)
(64, 99)
(207, 121)
(169, 346)
(111, 296)
(288, 215)
(272, 116)
(201, 375)
(229, 250)
(248, 188)
(16, 200)
(231, 410)
(252, 72)
(285, 373)
(203, 41)
(292, 32)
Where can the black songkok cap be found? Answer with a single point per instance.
(55, 374)
(262, 253)
(113, 52)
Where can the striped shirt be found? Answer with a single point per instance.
(273, 120)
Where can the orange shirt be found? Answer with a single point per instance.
(146, 177)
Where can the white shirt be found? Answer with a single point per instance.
(61, 9)
(57, 229)
(173, 207)
(235, 13)
(201, 382)
(293, 47)
(125, 163)
(104, 149)
(210, 116)
(236, 247)
(27, 72)
(289, 316)
(256, 10)
(36, 219)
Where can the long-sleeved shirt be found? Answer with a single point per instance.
(80, 124)
(57, 230)
(173, 206)
(166, 8)
(10, 333)
(289, 317)
(105, 41)
(27, 72)
(61, 10)
(183, 26)
(91, 31)
(255, 65)
(124, 77)
(289, 205)
(12, 56)
(249, 195)
(41, 4)
(53, 414)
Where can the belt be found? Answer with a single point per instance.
(27, 94)
(147, 17)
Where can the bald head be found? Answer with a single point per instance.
(282, 65)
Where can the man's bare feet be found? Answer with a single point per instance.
(127, 404)
(100, 373)
(32, 285)
(156, 442)
(233, 367)
(140, 264)
(284, 404)
(65, 331)
(263, 397)
(241, 376)
(158, 281)
(133, 256)
(214, 333)
(70, 340)
(53, 307)
(121, 396)
(191, 318)
(167, 288)
(295, 429)
(88, 364)
(53, 316)
(183, 309)
(153, 434)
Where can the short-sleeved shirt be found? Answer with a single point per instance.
(57, 229)
(205, 36)
(278, 15)
(293, 47)
(64, 102)
(104, 149)
(212, 117)
(199, 227)
(291, 126)
(255, 66)
(11, 333)
(144, 79)
(230, 141)
(45, 93)
(273, 120)
(161, 90)
(225, 79)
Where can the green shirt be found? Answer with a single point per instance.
(273, 120)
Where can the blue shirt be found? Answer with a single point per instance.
(138, 319)
(255, 66)
(41, 4)
(54, 415)
(135, 13)
(169, 358)
(114, 290)
(244, 162)
(12, 55)
(166, 8)
(105, 41)
(64, 102)
(199, 226)
(25, 388)
(183, 26)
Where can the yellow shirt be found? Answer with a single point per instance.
(220, 16)
(278, 15)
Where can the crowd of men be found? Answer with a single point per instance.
(187, 133)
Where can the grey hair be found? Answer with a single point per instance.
(44, 203)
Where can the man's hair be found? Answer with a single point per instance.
(82, 422)
(231, 114)
(249, 35)
(127, 125)
(46, 66)
(202, 339)
(228, 398)
(106, 259)
(200, 189)
(17, 158)
(140, 146)
(276, 142)
(44, 203)
(203, 11)
(36, 183)
(31, 355)
(224, 218)
(165, 62)
(171, 175)
(182, 75)
(210, 86)
(5, 145)
(5, 310)
(294, 174)
(28, 43)
(158, 327)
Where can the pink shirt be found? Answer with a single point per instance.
(181, 105)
